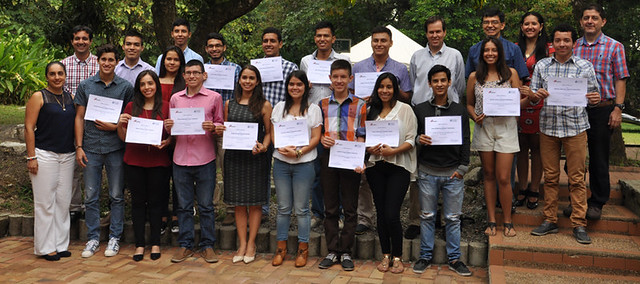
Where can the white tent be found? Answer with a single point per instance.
(401, 51)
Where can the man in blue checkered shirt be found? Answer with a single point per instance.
(275, 92)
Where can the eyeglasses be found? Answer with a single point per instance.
(192, 73)
(215, 46)
(494, 22)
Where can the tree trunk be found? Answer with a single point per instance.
(617, 153)
(164, 13)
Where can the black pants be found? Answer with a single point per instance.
(598, 139)
(149, 189)
(389, 184)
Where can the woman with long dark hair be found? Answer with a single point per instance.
(147, 166)
(389, 169)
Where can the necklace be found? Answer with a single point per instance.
(62, 105)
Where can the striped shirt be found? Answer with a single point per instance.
(562, 121)
(275, 91)
(343, 121)
(78, 71)
(608, 59)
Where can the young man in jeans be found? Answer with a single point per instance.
(440, 169)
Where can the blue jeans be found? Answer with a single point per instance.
(452, 196)
(317, 199)
(293, 188)
(204, 179)
(113, 163)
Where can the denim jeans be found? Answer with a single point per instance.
(114, 165)
(293, 188)
(204, 179)
(452, 197)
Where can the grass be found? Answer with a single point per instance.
(11, 114)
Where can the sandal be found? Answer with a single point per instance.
(533, 205)
(491, 229)
(520, 202)
(398, 266)
(384, 264)
(509, 231)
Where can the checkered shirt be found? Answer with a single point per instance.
(608, 59)
(275, 91)
(78, 71)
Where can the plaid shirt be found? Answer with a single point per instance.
(608, 59)
(78, 71)
(275, 92)
(344, 121)
(228, 94)
(562, 121)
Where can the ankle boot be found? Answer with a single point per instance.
(303, 252)
(281, 252)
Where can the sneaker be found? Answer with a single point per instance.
(580, 233)
(181, 255)
(347, 263)
(361, 229)
(315, 221)
(163, 228)
(113, 247)
(209, 255)
(594, 213)
(91, 248)
(174, 226)
(412, 232)
(545, 228)
(421, 265)
(459, 267)
(194, 211)
(340, 224)
(329, 261)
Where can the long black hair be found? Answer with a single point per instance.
(304, 102)
(178, 81)
(374, 101)
(138, 98)
(541, 50)
(256, 102)
(501, 66)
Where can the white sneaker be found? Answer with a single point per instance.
(92, 247)
(340, 224)
(113, 247)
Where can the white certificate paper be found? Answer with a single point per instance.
(103, 109)
(346, 155)
(501, 101)
(270, 68)
(221, 77)
(291, 133)
(364, 83)
(240, 135)
(382, 132)
(144, 131)
(444, 130)
(319, 71)
(567, 91)
(187, 121)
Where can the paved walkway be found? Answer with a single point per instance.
(19, 265)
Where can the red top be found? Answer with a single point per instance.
(529, 121)
(166, 93)
(147, 156)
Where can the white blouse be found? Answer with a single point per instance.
(313, 115)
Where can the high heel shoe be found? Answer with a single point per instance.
(533, 205)
(249, 258)
(155, 255)
(237, 258)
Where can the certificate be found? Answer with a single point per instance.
(221, 77)
(364, 83)
(270, 68)
(346, 155)
(187, 121)
(240, 135)
(144, 131)
(291, 133)
(103, 109)
(444, 130)
(501, 101)
(567, 91)
(319, 71)
(382, 132)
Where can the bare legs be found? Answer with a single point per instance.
(247, 247)
(497, 168)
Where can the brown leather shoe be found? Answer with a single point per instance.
(281, 252)
(209, 255)
(182, 254)
(303, 252)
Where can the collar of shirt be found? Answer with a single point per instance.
(200, 92)
(96, 78)
(332, 56)
(433, 103)
(570, 60)
(599, 39)
(78, 61)
(123, 64)
(441, 51)
(224, 61)
(333, 99)
(373, 62)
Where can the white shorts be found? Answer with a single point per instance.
(497, 134)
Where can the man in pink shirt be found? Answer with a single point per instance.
(194, 163)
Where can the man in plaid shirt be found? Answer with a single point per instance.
(608, 59)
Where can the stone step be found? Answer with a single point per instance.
(510, 274)
(615, 219)
(612, 251)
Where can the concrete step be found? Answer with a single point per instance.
(612, 251)
(615, 196)
(615, 219)
(510, 274)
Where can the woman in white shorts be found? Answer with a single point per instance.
(494, 137)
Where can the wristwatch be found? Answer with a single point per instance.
(620, 106)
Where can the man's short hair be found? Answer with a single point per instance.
(134, 33)
(216, 36)
(272, 30)
(78, 28)
(195, 62)
(340, 64)
(106, 48)
(595, 7)
(181, 22)
(432, 20)
(492, 12)
(324, 24)
(564, 27)
(381, 29)
(437, 69)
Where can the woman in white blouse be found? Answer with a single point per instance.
(390, 169)
(293, 169)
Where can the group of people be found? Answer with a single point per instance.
(58, 138)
